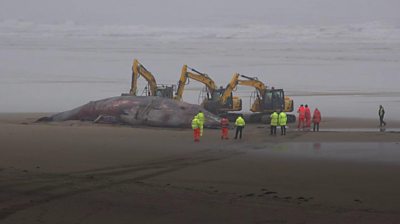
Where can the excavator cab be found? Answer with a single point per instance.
(165, 91)
(232, 103)
(216, 105)
(274, 100)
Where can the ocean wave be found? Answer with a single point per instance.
(367, 32)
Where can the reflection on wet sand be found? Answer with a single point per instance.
(375, 152)
(380, 129)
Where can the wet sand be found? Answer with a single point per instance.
(78, 172)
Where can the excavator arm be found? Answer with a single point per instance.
(235, 81)
(229, 88)
(253, 82)
(259, 86)
(139, 70)
(135, 76)
(226, 101)
(195, 75)
(258, 104)
(218, 100)
(267, 99)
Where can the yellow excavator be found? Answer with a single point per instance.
(213, 101)
(152, 89)
(266, 100)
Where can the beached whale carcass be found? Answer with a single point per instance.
(138, 110)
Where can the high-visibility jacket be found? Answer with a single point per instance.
(302, 112)
(224, 123)
(274, 119)
(282, 119)
(240, 121)
(195, 123)
(307, 113)
(316, 116)
(201, 118)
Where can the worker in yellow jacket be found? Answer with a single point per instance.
(274, 122)
(239, 123)
(282, 122)
(201, 118)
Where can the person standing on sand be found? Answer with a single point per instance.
(196, 129)
(282, 122)
(224, 127)
(239, 123)
(201, 118)
(307, 114)
(274, 122)
(316, 119)
(301, 111)
(381, 113)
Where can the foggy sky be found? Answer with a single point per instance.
(201, 12)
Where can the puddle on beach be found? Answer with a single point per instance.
(361, 129)
(374, 152)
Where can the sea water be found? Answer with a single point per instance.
(345, 71)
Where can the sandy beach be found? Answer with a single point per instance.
(80, 57)
(79, 172)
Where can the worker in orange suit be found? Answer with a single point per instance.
(196, 129)
(307, 114)
(224, 127)
(302, 115)
(316, 119)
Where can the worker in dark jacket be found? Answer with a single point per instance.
(381, 113)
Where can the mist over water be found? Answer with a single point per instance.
(344, 70)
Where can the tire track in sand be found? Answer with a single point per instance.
(22, 195)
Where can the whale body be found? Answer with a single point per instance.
(138, 110)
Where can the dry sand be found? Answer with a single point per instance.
(78, 172)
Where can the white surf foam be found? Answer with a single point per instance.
(367, 32)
